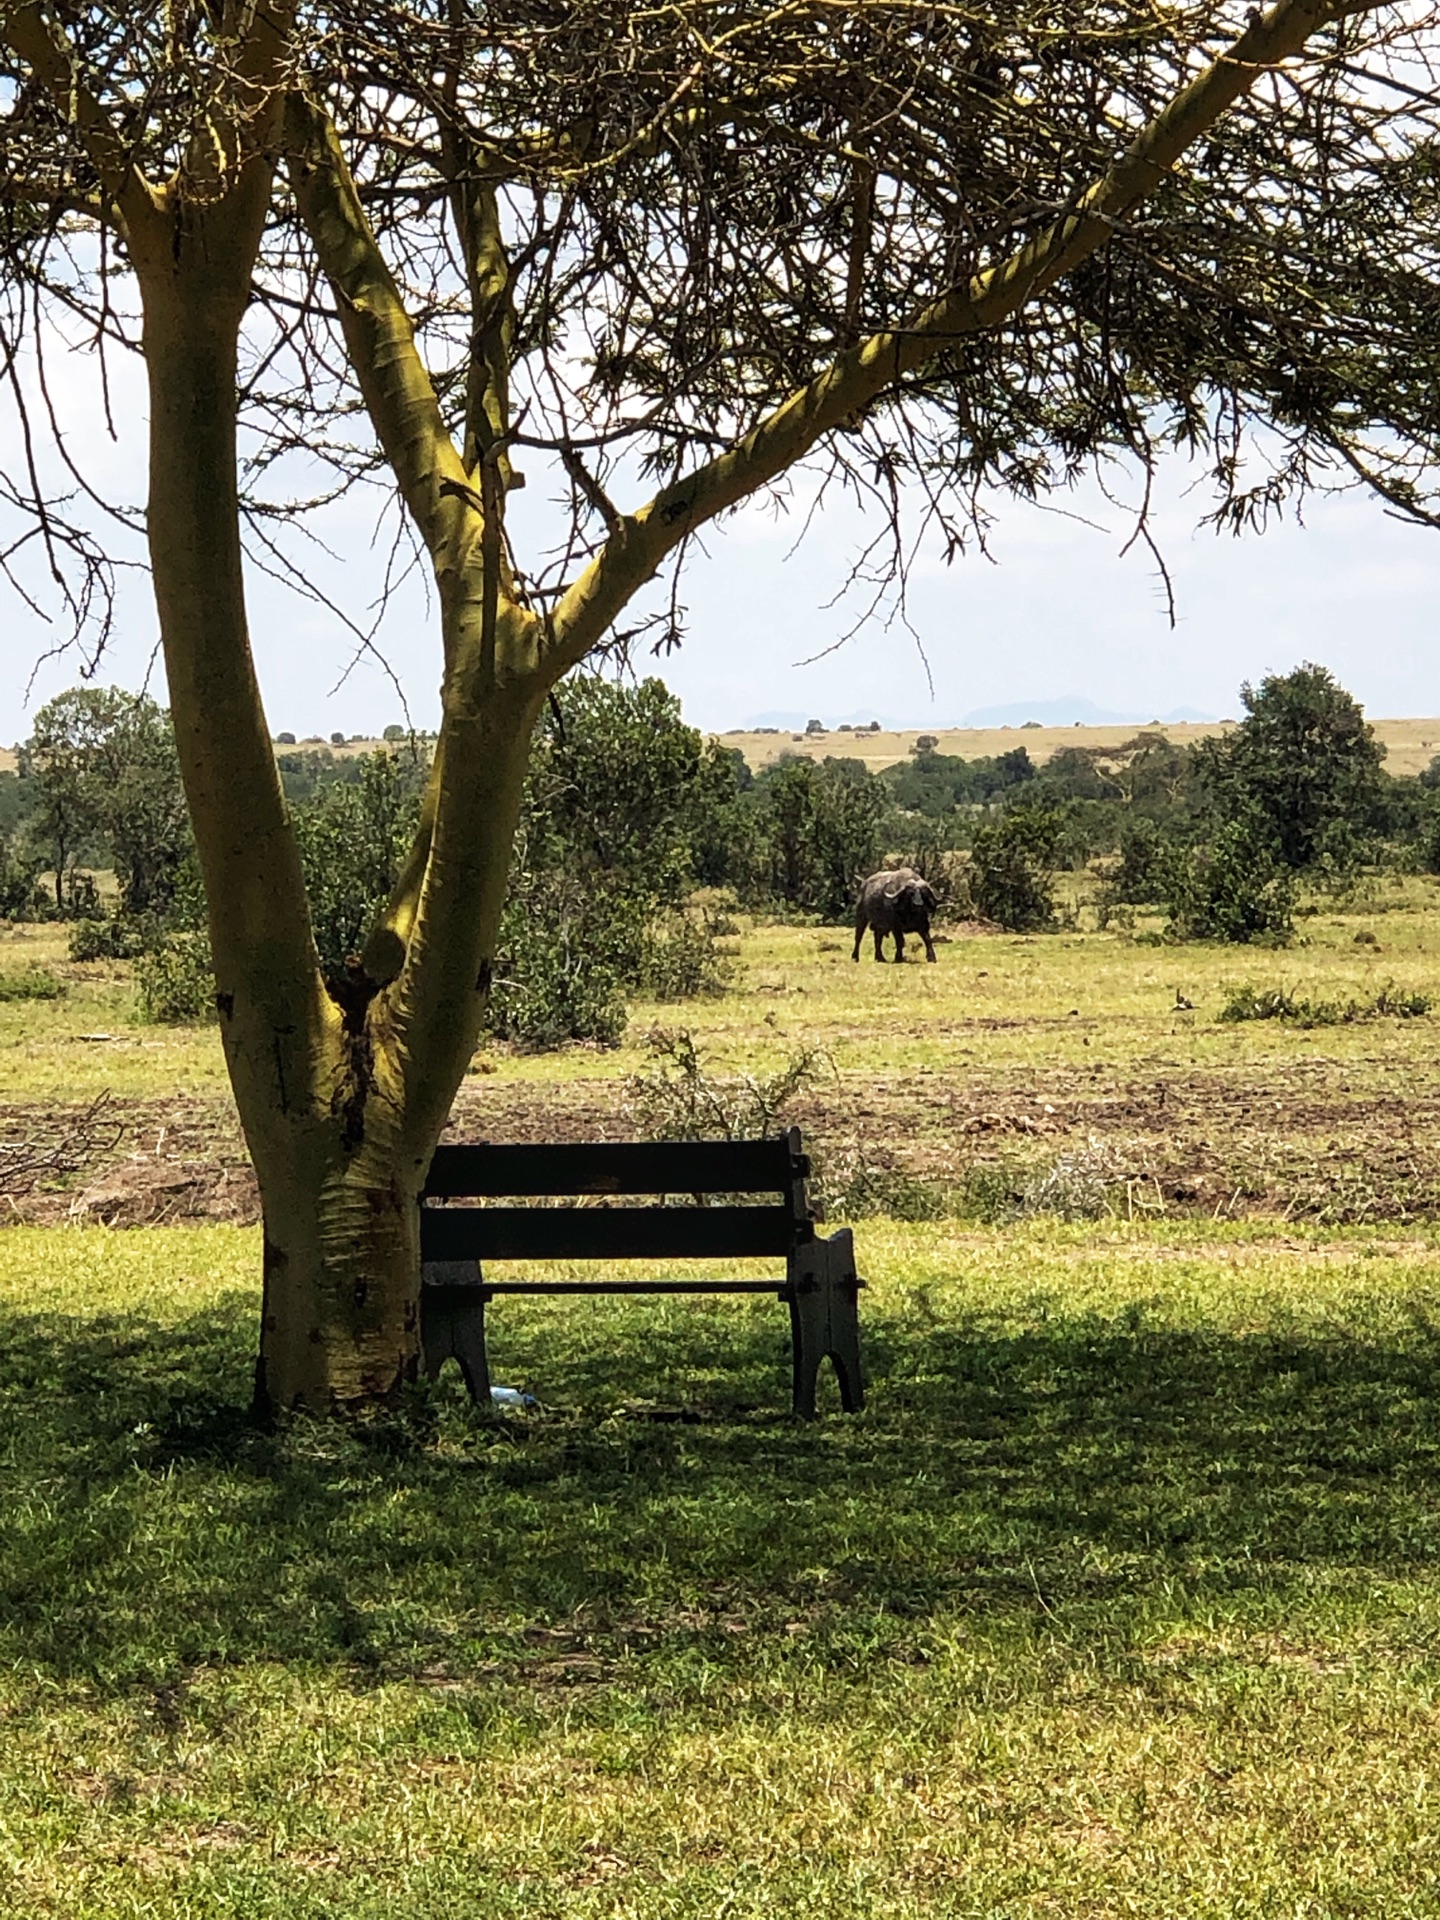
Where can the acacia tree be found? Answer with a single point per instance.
(1302, 770)
(104, 763)
(685, 249)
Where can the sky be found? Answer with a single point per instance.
(1053, 612)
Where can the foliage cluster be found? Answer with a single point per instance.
(31, 983)
(1248, 1002)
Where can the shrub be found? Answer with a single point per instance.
(1139, 877)
(176, 981)
(115, 938)
(1233, 889)
(680, 959)
(1079, 1183)
(1012, 873)
(1279, 1003)
(1401, 1006)
(820, 831)
(619, 792)
(1427, 849)
(849, 1185)
(352, 837)
(681, 1098)
(561, 973)
(82, 896)
(32, 983)
(19, 875)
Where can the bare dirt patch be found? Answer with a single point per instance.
(158, 1162)
(1311, 1140)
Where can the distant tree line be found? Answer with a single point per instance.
(638, 837)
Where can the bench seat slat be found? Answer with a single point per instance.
(607, 1233)
(520, 1170)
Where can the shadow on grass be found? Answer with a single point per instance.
(1069, 1469)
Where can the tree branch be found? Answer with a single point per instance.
(55, 65)
(637, 547)
(380, 339)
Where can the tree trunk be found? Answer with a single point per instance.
(342, 1086)
(340, 1324)
(341, 1274)
(340, 1318)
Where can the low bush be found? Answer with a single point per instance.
(1401, 1005)
(682, 1097)
(32, 983)
(850, 1185)
(557, 980)
(115, 938)
(1080, 1183)
(1232, 889)
(1279, 1003)
(176, 981)
(681, 960)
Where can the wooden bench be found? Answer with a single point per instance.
(820, 1284)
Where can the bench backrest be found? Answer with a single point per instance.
(510, 1170)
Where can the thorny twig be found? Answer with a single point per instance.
(56, 1144)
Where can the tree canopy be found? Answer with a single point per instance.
(1302, 770)
(618, 241)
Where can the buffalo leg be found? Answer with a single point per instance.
(879, 940)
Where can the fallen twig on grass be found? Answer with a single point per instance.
(58, 1143)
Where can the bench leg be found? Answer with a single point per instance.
(452, 1323)
(824, 1319)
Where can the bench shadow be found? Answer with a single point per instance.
(1074, 1468)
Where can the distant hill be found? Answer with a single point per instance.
(1073, 711)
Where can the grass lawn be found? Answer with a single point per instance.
(1119, 1600)
(1002, 1006)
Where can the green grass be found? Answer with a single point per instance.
(1004, 1005)
(1119, 1600)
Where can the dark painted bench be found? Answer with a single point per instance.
(820, 1284)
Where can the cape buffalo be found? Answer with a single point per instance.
(897, 902)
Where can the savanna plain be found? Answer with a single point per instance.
(1120, 1598)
